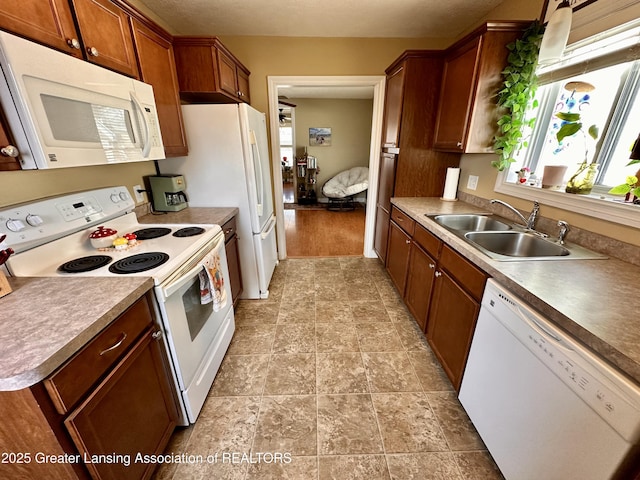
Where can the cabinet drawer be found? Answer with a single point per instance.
(428, 241)
(468, 275)
(404, 221)
(70, 383)
(229, 229)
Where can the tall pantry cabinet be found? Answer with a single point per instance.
(409, 166)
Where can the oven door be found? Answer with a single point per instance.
(193, 328)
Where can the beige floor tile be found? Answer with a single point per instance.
(354, 263)
(293, 468)
(331, 291)
(357, 276)
(411, 336)
(407, 423)
(240, 375)
(369, 311)
(291, 374)
(301, 290)
(390, 372)
(378, 337)
(302, 311)
(352, 467)
(252, 339)
(397, 311)
(341, 373)
(177, 445)
(295, 338)
(347, 425)
(255, 312)
(477, 466)
(213, 470)
(457, 428)
(424, 466)
(364, 291)
(326, 264)
(334, 337)
(328, 277)
(336, 311)
(429, 371)
(287, 424)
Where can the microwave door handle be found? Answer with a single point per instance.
(147, 137)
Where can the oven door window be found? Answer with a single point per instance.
(197, 314)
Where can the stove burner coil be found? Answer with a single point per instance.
(85, 264)
(150, 233)
(139, 263)
(188, 232)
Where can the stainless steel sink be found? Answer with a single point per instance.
(471, 222)
(516, 244)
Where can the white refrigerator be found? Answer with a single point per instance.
(228, 166)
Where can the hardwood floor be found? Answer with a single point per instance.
(321, 233)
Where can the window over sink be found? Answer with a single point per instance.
(599, 79)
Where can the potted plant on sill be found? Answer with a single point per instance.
(631, 187)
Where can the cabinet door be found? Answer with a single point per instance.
(382, 233)
(393, 108)
(7, 162)
(132, 410)
(456, 96)
(452, 319)
(44, 21)
(398, 256)
(227, 74)
(420, 278)
(157, 67)
(243, 85)
(106, 35)
(233, 261)
(386, 180)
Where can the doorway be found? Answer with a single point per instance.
(286, 138)
(375, 82)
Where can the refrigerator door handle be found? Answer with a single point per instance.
(269, 229)
(257, 165)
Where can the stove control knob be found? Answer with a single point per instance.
(34, 220)
(115, 198)
(124, 196)
(15, 225)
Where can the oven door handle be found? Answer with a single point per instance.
(176, 284)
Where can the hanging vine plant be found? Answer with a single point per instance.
(520, 83)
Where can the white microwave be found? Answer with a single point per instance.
(65, 112)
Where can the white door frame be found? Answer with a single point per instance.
(378, 84)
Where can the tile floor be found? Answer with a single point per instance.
(331, 373)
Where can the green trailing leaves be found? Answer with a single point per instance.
(516, 95)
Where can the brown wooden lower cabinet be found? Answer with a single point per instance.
(452, 319)
(398, 250)
(420, 278)
(131, 409)
(233, 258)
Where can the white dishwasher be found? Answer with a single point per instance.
(545, 406)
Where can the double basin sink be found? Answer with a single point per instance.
(502, 240)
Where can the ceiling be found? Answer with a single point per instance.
(329, 18)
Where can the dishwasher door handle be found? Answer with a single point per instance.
(543, 330)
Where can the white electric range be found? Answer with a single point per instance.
(50, 238)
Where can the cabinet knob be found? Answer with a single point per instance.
(459, 144)
(157, 334)
(407, 241)
(93, 51)
(9, 151)
(73, 43)
(431, 265)
(438, 274)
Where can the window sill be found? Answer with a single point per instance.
(604, 207)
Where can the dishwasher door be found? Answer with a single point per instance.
(545, 407)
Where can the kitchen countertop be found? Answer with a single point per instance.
(45, 321)
(594, 300)
(193, 215)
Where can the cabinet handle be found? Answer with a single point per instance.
(438, 274)
(93, 51)
(431, 265)
(73, 43)
(228, 230)
(113, 347)
(157, 335)
(407, 242)
(459, 144)
(9, 151)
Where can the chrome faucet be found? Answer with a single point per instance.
(530, 222)
(564, 228)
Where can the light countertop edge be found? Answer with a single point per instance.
(193, 215)
(587, 298)
(45, 321)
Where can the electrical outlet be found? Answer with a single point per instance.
(472, 183)
(138, 195)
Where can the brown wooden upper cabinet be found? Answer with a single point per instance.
(208, 72)
(158, 68)
(50, 23)
(467, 113)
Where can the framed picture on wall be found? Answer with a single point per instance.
(320, 137)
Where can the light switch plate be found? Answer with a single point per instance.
(472, 183)
(138, 195)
